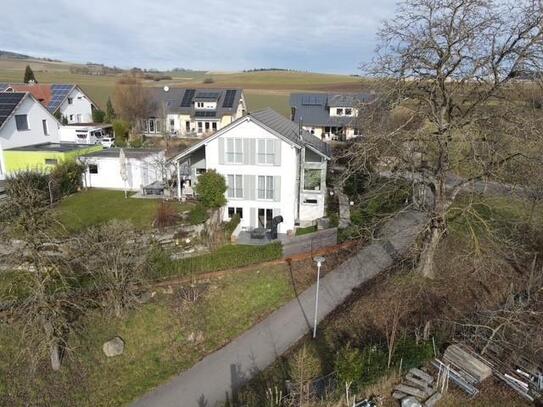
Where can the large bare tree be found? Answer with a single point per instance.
(132, 100)
(447, 114)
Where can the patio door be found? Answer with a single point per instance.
(265, 217)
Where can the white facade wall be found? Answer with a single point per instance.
(286, 206)
(140, 172)
(10, 137)
(80, 110)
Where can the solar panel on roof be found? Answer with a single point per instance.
(229, 98)
(58, 94)
(8, 102)
(187, 98)
(311, 100)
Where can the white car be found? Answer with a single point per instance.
(107, 142)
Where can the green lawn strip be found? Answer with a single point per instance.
(224, 258)
(95, 206)
(306, 231)
(157, 337)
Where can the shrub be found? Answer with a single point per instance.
(136, 142)
(224, 258)
(208, 80)
(21, 182)
(231, 225)
(67, 177)
(210, 189)
(166, 215)
(98, 116)
(198, 214)
(350, 366)
(121, 129)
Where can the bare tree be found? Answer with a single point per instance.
(445, 117)
(115, 257)
(132, 101)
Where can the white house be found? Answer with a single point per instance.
(192, 112)
(24, 122)
(271, 168)
(329, 116)
(66, 101)
(143, 167)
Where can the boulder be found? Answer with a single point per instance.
(113, 347)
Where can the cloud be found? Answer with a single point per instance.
(317, 35)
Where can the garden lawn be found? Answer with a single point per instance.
(163, 338)
(95, 206)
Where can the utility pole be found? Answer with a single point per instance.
(319, 260)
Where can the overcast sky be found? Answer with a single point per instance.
(313, 35)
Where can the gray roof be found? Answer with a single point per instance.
(3, 86)
(290, 130)
(181, 100)
(54, 147)
(128, 152)
(313, 109)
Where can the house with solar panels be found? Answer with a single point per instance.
(192, 112)
(272, 169)
(67, 102)
(329, 116)
(29, 136)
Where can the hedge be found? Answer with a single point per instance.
(224, 258)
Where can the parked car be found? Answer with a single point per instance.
(108, 142)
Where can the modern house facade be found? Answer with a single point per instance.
(68, 102)
(271, 168)
(329, 116)
(192, 112)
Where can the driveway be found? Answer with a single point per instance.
(221, 373)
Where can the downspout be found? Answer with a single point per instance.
(300, 169)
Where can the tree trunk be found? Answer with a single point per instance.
(426, 261)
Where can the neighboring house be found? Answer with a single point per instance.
(329, 116)
(43, 157)
(143, 167)
(270, 166)
(23, 122)
(65, 101)
(192, 112)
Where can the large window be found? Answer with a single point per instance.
(45, 127)
(21, 121)
(266, 151)
(235, 186)
(51, 161)
(265, 187)
(312, 179)
(265, 217)
(93, 168)
(235, 211)
(234, 150)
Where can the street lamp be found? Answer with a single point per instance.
(319, 260)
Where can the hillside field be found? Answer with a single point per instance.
(263, 88)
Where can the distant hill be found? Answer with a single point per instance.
(13, 55)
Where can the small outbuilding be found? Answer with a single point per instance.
(143, 166)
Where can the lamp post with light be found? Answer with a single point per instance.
(319, 260)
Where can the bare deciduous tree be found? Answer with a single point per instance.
(132, 101)
(445, 116)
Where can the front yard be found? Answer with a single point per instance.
(94, 206)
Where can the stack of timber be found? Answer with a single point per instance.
(418, 385)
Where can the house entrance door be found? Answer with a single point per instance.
(265, 217)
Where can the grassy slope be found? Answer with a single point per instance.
(157, 340)
(95, 206)
(263, 89)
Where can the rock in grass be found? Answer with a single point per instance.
(113, 347)
(411, 402)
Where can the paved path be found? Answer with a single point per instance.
(214, 378)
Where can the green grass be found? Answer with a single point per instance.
(95, 206)
(157, 342)
(306, 231)
(224, 258)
